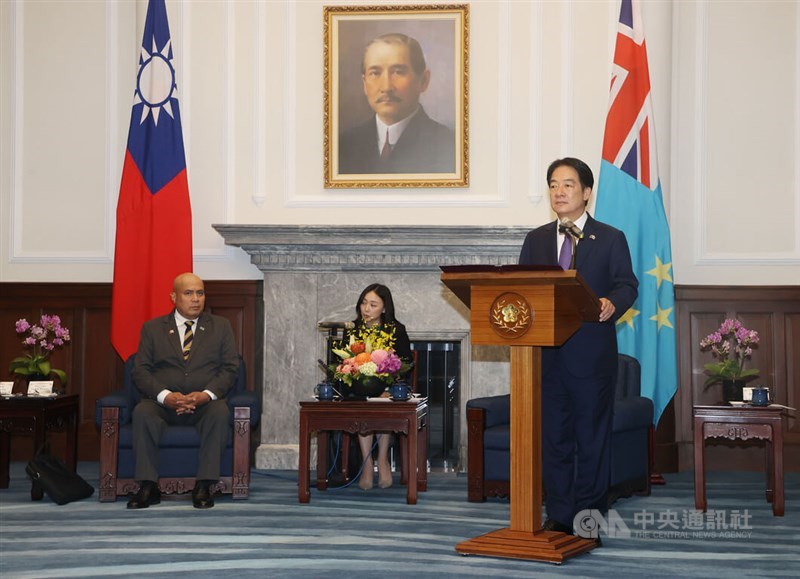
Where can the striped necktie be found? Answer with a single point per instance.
(187, 340)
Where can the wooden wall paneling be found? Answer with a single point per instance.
(92, 365)
(81, 358)
(666, 449)
(94, 368)
(791, 379)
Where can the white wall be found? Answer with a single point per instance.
(726, 88)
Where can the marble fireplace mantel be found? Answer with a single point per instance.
(315, 273)
(374, 248)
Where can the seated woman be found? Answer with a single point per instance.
(375, 307)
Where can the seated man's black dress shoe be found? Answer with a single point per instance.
(553, 525)
(148, 494)
(201, 495)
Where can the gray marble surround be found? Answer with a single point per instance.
(315, 273)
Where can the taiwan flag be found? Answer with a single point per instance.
(629, 198)
(154, 216)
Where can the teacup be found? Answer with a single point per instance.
(760, 396)
(400, 391)
(324, 391)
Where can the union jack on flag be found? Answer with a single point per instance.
(630, 140)
(629, 198)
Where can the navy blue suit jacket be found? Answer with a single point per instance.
(424, 147)
(603, 260)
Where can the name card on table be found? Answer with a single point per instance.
(6, 388)
(40, 388)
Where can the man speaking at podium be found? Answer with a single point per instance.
(578, 377)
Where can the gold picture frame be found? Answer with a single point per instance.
(430, 146)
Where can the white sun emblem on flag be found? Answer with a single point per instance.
(155, 83)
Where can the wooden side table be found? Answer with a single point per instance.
(408, 418)
(743, 423)
(32, 415)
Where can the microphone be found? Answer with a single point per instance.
(569, 227)
(336, 325)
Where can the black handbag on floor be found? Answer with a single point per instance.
(57, 481)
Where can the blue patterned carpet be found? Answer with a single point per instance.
(375, 534)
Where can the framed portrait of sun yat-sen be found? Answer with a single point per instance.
(396, 96)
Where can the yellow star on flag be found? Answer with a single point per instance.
(661, 272)
(627, 317)
(662, 317)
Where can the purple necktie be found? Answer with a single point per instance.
(565, 257)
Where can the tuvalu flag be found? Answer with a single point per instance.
(629, 198)
(154, 216)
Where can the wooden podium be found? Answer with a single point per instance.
(525, 308)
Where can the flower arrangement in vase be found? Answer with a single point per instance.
(42, 338)
(731, 344)
(368, 362)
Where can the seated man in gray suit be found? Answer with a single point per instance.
(186, 363)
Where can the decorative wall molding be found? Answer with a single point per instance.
(18, 254)
(229, 106)
(290, 109)
(797, 130)
(114, 156)
(535, 86)
(702, 210)
(567, 77)
(18, 82)
(504, 60)
(701, 137)
(259, 195)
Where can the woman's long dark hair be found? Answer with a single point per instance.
(385, 294)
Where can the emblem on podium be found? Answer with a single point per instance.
(510, 315)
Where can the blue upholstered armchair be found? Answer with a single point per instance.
(489, 436)
(179, 445)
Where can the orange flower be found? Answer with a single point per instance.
(363, 358)
(358, 347)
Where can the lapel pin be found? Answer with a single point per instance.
(171, 332)
(592, 236)
(203, 328)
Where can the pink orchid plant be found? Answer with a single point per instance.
(731, 344)
(42, 338)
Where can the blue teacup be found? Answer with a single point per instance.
(760, 396)
(400, 391)
(324, 391)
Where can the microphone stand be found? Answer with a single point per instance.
(574, 242)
